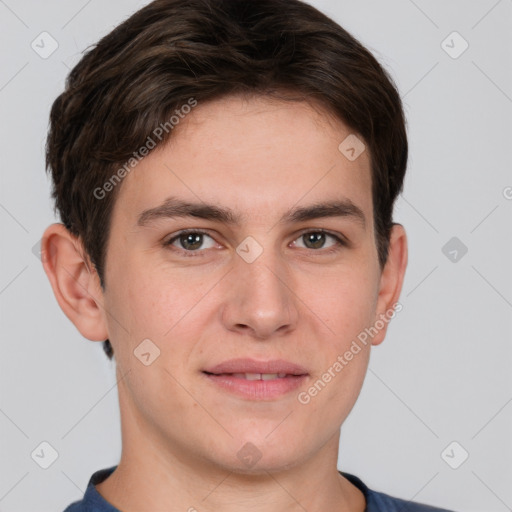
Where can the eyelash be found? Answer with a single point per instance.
(340, 242)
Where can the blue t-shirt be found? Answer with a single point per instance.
(375, 501)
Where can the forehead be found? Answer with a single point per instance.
(257, 156)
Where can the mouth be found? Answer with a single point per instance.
(255, 376)
(247, 366)
(256, 380)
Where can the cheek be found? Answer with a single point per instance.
(156, 308)
(345, 299)
(152, 301)
(167, 309)
(346, 305)
(138, 306)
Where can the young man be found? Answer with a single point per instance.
(225, 172)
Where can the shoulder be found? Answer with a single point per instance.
(92, 500)
(381, 502)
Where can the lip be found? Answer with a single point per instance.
(221, 376)
(246, 365)
(257, 389)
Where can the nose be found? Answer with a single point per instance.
(259, 300)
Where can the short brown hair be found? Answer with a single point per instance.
(136, 76)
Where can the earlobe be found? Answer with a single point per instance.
(74, 281)
(391, 281)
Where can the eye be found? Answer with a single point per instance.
(190, 240)
(317, 239)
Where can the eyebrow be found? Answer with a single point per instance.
(173, 207)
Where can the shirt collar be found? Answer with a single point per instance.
(94, 499)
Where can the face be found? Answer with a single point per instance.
(259, 275)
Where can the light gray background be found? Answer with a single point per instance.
(443, 372)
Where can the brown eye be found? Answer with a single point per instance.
(190, 241)
(317, 240)
(314, 240)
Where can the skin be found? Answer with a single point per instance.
(181, 433)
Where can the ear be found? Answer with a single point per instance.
(74, 281)
(391, 281)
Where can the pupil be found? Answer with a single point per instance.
(191, 239)
(317, 239)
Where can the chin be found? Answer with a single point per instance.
(251, 455)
